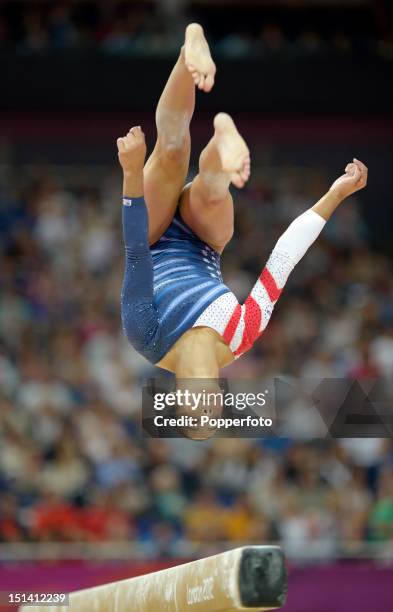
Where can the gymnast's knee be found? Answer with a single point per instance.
(173, 139)
(221, 240)
(174, 152)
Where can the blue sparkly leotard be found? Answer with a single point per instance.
(167, 286)
(176, 284)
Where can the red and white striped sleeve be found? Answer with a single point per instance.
(250, 319)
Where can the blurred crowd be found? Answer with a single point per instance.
(73, 463)
(157, 28)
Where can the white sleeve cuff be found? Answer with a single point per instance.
(300, 235)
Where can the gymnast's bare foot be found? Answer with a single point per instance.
(234, 153)
(197, 57)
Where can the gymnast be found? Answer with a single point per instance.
(176, 310)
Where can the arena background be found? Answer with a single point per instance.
(84, 499)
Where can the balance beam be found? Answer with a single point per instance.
(245, 579)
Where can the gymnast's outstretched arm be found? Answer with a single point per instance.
(290, 248)
(137, 289)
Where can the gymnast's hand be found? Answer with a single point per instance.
(355, 178)
(132, 154)
(132, 150)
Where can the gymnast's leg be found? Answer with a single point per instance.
(207, 205)
(166, 169)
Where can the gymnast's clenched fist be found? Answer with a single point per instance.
(132, 150)
(132, 154)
